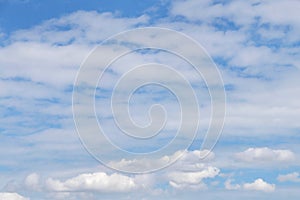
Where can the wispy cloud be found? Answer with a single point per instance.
(256, 51)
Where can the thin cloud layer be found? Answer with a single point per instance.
(255, 45)
(292, 177)
(265, 154)
(12, 196)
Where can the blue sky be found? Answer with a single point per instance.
(255, 46)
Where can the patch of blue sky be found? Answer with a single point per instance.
(21, 123)
(273, 43)
(183, 19)
(263, 140)
(229, 87)
(251, 174)
(25, 14)
(4, 168)
(46, 101)
(16, 78)
(155, 92)
(224, 24)
(9, 111)
(68, 89)
(102, 93)
(65, 43)
(245, 72)
(158, 10)
(150, 51)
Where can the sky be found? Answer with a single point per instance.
(149, 99)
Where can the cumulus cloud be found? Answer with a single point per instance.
(191, 180)
(98, 182)
(12, 196)
(184, 160)
(259, 185)
(292, 177)
(265, 154)
(188, 172)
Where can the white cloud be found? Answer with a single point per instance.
(293, 177)
(79, 27)
(98, 182)
(187, 160)
(36, 54)
(50, 54)
(191, 180)
(236, 42)
(265, 154)
(259, 185)
(230, 186)
(32, 181)
(241, 12)
(12, 196)
(187, 173)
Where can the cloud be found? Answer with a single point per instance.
(241, 13)
(259, 185)
(265, 154)
(32, 181)
(183, 159)
(12, 196)
(188, 172)
(79, 27)
(229, 186)
(251, 42)
(292, 177)
(243, 33)
(191, 180)
(51, 53)
(97, 182)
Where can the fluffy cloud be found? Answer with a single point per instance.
(259, 185)
(187, 173)
(191, 180)
(191, 166)
(188, 160)
(97, 182)
(265, 155)
(12, 196)
(293, 177)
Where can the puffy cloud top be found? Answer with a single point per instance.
(259, 185)
(12, 196)
(94, 182)
(265, 155)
